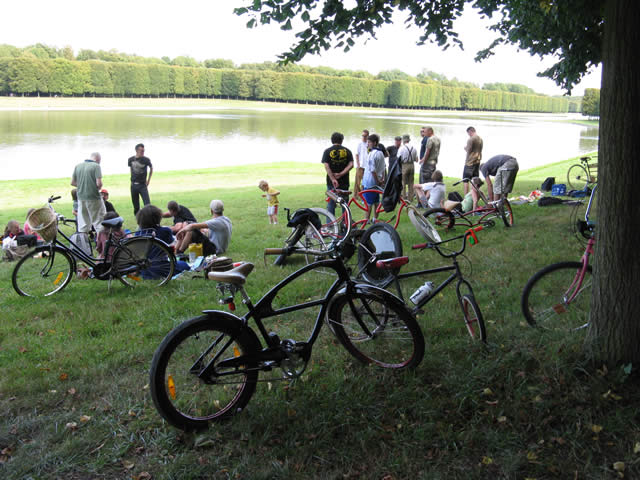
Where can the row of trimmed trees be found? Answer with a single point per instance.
(59, 76)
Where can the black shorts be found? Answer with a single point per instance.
(470, 172)
(208, 248)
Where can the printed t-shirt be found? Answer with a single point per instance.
(138, 168)
(338, 157)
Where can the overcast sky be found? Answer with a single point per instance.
(208, 29)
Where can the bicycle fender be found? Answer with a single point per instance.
(378, 293)
(235, 324)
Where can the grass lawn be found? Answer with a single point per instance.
(74, 367)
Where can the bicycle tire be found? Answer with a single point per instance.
(473, 319)
(320, 239)
(293, 238)
(423, 225)
(180, 396)
(549, 286)
(377, 328)
(36, 276)
(506, 212)
(440, 218)
(577, 177)
(143, 261)
(382, 241)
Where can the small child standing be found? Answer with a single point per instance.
(272, 201)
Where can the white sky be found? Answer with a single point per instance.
(208, 29)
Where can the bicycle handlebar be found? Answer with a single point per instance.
(53, 199)
(468, 234)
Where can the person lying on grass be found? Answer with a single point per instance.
(214, 234)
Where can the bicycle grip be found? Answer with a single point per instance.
(274, 251)
(53, 199)
(478, 228)
(419, 246)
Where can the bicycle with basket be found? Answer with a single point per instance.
(48, 269)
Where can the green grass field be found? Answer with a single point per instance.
(74, 367)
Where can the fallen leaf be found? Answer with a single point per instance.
(531, 456)
(63, 377)
(6, 451)
(128, 465)
(132, 413)
(85, 418)
(502, 419)
(72, 425)
(596, 428)
(636, 448)
(22, 349)
(487, 460)
(487, 391)
(618, 466)
(71, 391)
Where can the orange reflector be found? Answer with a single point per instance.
(171, 386)
(58, 278)
(134, 277)
(236, 352)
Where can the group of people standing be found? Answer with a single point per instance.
(371, 167)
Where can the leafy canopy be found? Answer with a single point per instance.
(569, 30)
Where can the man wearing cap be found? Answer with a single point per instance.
(87, 178)
(407, 156)
(107, 204)
(214, 234)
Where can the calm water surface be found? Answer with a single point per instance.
(48, 143)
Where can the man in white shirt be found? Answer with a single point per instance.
(431, 194)
(362, 151)
(407, 156)
(373, 177)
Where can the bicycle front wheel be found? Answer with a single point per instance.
(375, 330)
(182, 394)
(143, 261)
(555, 298)
(320, 239)
(473, 318)
(577, 177)
(42, 272)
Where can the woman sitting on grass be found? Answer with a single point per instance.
(149, 218)
(102, 237)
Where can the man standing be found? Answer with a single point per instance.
(393, 152)
(362, 151)
(429, 151)
(504, 168)
(139, 180)
(474, 156)
(337, 160)
(87, 178)
(373, 176)
(407, 156)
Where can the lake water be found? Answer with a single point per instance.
(48, 143)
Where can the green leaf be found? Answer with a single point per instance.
(305, 16)
(251, 23)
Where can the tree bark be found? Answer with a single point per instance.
(614, 333)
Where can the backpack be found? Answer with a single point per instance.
(559, 189)
(546, 201)
(547, 184)
(454, 197)
(301, 216)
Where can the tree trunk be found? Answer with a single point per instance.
(614, 334)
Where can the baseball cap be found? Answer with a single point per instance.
(104, 190)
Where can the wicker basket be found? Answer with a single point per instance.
(44, 222)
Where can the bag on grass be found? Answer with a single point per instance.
(546, 201)
(454, 197)
(548, 184)
(559, 189)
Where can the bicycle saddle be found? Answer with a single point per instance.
(235, 276)
(113, 222)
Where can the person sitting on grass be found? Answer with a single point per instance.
(214, 234)
(29, 231)
(103, 235)
(431, 194)
(182, 216)
(104, 193)
(149, 218)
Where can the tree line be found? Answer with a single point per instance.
(28, 75)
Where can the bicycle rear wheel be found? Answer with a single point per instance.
(577, 177)
(506, 212)
(143, 261)
(185, 398)
(42, 272)
(380, 241)
(377, 330)
(553, 299)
